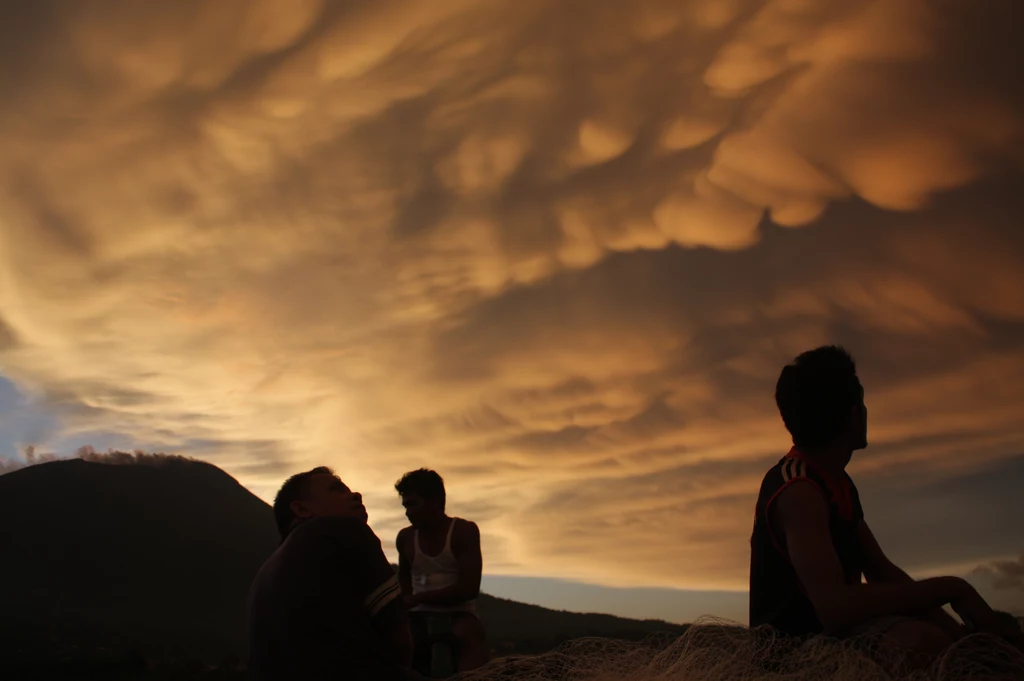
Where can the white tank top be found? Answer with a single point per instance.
(430, 573)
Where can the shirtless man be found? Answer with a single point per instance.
(440, 564)
(811, 545)
(326, 604)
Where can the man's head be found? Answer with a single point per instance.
(313, 494)
(423, 497)
(822, 402)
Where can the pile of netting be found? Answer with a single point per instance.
(713, 651)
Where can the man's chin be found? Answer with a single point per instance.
(362, 516)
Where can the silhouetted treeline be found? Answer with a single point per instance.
(111, 456)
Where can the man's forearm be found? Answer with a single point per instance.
(853, 604)
(450, 595)
(893, 574)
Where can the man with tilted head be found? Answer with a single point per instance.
(440, 566)
(327, 603)
(812, 549)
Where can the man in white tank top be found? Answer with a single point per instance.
(440, 564)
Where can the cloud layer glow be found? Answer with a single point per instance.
(546, 248)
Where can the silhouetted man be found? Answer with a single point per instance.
(811, 545)
(440, 565)
(327, 604)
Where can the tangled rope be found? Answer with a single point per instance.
(712, 650)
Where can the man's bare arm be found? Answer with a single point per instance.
(802, 515)
(466, 547)
(403, 546)
(879, 569)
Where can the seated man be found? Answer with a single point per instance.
(440, 564)
(326, 604)
(811, 545)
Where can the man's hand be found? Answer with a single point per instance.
(880, 570)
(972, 608)
(979, 616)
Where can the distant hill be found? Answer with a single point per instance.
(158, 557)
(514, 627)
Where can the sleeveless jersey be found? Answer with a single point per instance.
(776, 596)
(430, 573)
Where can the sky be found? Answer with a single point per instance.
(557, 251)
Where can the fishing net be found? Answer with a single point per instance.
(714, 651)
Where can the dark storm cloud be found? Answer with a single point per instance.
(540, 247)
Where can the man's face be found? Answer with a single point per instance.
(419, 510)
(859, 424)
(862, 423)
(327, 495)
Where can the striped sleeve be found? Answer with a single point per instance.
(793, 469)
(382, 595)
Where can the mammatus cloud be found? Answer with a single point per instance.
(1004, 574)
(542, 247)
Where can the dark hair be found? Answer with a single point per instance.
(815, 394)
(424, 482)
(294, 489)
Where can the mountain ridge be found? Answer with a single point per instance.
(157, 554)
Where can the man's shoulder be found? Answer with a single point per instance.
(404, 537)
(266, 572)
(790, 485)
(465, 531)
(791, 469)
(775, 476)
(802, 493)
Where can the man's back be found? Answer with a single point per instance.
(312, 606)
(776, 595)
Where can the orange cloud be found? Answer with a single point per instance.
(536, 250)
(1004, 574)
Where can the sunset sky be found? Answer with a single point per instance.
(557, 250)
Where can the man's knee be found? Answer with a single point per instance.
(473, 651)
(468, 628)
(917, 636)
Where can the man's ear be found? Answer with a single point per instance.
(300, 510)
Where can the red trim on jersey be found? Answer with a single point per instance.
(839, 489)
